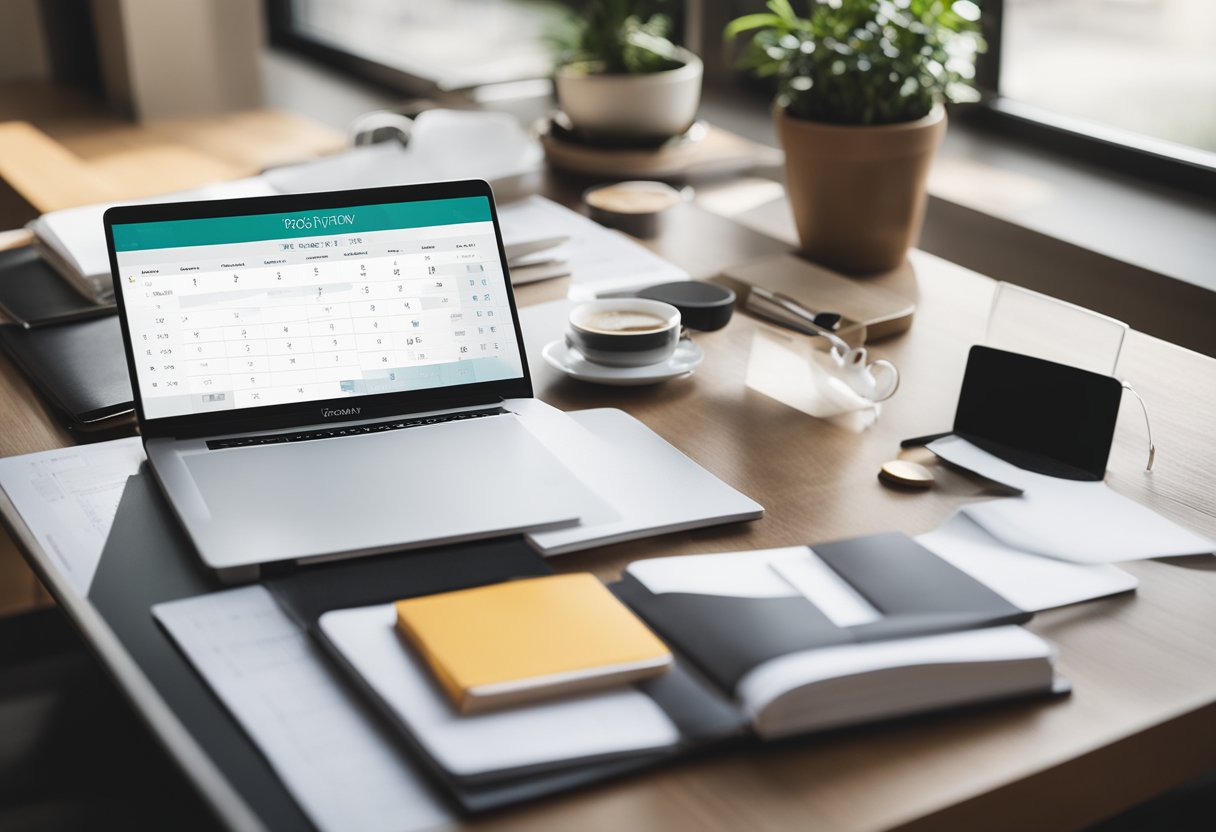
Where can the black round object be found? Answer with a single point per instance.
(703, 306)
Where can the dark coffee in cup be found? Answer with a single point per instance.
(624, 332)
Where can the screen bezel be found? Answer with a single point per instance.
(274, 417)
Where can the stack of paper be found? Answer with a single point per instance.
(590, 726)
(600, 260)
(533, 260)
(73, 240)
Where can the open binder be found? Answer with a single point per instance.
(717, 641)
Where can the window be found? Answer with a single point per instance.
(1147, 66)
(421, 45)
(1131, 81)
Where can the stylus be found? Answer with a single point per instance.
(918, 441)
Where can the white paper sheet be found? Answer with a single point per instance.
(1027, 581)
(601, 260)
(733, 574)
(765, 573)
(613, 721)
(443, 145)
(68, 499)
(1083, 522)
(822, 586)
(336, 761)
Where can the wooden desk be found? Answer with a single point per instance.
(1143, 715)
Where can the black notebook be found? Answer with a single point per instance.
(79, 367)
(756, 660)
(34, 294)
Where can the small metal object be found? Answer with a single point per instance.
(905, 473)
(761, 301)
(379, 126)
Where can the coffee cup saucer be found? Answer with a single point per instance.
(570, 362)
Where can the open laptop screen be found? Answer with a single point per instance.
(246, 311)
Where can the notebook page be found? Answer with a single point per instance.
(925, 680)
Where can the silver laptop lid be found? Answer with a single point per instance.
(261, 313)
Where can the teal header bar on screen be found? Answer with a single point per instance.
(211, 231)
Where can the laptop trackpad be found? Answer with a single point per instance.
(381, 491)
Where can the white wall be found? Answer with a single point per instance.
(164, 58)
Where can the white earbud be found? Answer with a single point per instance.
(875, 381)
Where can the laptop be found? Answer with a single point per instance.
(338, 374)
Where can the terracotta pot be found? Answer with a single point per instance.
(858, 193)
(650, 105)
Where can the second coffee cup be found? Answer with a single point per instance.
(624, 332)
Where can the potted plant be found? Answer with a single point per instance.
(621, 78)
(859, 113)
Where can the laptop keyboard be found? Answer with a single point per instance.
(350, 430)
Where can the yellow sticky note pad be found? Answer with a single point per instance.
(519, 641)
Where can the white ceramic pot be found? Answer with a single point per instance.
(650, 105)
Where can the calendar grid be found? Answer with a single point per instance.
(276, 322)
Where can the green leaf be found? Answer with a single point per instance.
(863, 61)
(748, 22)
(784, 10)
(618, 36)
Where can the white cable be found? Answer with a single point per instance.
(1152, 449)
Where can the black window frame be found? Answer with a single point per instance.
(1157, 160)
(282, 33)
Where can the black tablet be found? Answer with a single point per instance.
(1037, 414)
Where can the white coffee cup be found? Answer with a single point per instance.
(624, 332)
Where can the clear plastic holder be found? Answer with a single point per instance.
(799, 372)
(1041, 326)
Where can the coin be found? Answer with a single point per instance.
(906, 474)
